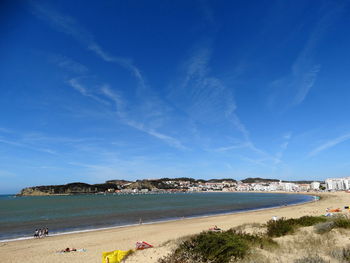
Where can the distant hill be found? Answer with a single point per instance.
(118, 182)
(222, 180)
(67, 189)
(148, 184)
(258, 180)
(178, 179)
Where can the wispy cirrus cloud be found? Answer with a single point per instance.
(120, 111)
(329, 144)
(231, 147)
(27, 146)
(68, 64)
(153, 107)
(69, 26)
(120, 105)
(283, 147)
(292, 89)
(208, 101)
(296, 86)
(166, 138)
(76, 84)
(39, 142)
(202, 96)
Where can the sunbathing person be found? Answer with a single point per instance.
(68, 250)
(215, 229)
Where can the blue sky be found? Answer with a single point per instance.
(98, 90)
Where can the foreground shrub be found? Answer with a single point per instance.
(279, 227)
(341, 222)
(284, 226)
(216, 247)
(308, 220)
(312, 259)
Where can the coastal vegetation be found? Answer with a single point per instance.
(296, 240)
(217, 247)
(281, 227)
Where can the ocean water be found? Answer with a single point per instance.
(20, 216)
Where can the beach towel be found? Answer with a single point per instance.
(142, 245)
(337, 210)
(115, 256)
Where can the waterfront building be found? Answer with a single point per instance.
(336, 184)
(315, 185)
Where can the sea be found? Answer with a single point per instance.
(20, 216)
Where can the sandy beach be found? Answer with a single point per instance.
(95, 242)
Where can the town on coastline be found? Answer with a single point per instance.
(173, 185)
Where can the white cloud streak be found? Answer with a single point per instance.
(207, 100)
(296, 86)
(68, 64)
(231, 147)
(329, 144)
(27, 146)
(116, 98)
(69, 26)
(83, 90)
(283, 147)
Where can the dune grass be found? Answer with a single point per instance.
(217, 247)
(281, 227)
(272, 245)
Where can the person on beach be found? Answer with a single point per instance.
(68, 250)
(46, 232)
(36, 233)
(215, 229)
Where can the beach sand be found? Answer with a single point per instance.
(95, 242)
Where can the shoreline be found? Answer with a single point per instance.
(95, 242)
(175, 219)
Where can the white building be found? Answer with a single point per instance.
(315, 185)
(272, 187)
(338, 184)
(288, 187)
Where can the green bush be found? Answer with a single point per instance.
(284, 226)
(341, 222)
(221, 247)
(280, 227)
(216, 247)
(308, 220)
